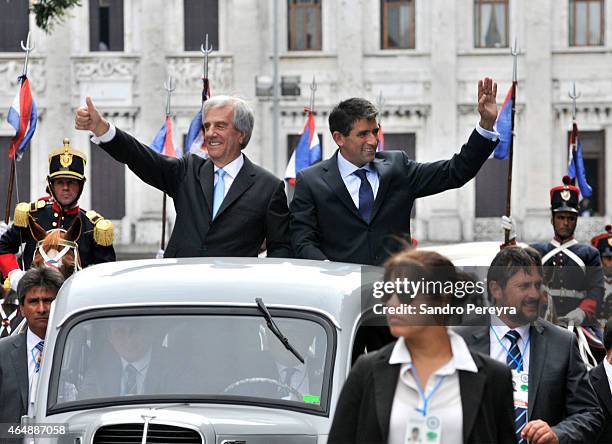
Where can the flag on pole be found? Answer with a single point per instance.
(504, 127)
(194, 141)
(306, 153)
(162, 143)
(22, 116)
(381, 139)
(575, 168)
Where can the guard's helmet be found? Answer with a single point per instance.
(565, 198)
(68, 163)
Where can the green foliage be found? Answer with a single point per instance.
(49, 12)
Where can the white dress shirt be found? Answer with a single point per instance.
(497, 351)
(608, 368)
(231, 171)
(33, 354)
(446, 401)
(352, 182)
(299, 380)
(142, 367)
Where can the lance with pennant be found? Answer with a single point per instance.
(515, 52)
(169, 86)
(13, 156)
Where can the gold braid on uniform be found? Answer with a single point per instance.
(20, 218)
(104, 231)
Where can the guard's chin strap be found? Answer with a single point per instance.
(56, 261)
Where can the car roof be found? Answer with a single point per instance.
(331, 287)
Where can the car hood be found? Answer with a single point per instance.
(215, 423)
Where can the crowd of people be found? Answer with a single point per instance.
(517, 378)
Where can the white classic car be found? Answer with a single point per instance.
(220, 350)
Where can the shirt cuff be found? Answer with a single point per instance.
(108, 136)
(489, 135)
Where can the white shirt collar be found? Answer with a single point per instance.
(608, 369)
(32, 339)
(461, 360)
(232, 168)
(346, 168)
(501, 328)
(140, 364)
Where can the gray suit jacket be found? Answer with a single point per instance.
(13, 378)
(559, 389)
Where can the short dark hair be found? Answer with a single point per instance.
(510, 261)
(42, 276)
(608, 335)
(347, 112)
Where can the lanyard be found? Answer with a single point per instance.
(519, 364)
(426, 398)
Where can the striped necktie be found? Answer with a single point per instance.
(38, 347)
(514, 359)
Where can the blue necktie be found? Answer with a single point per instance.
(366, 195)
(513, 359)
(219, 192)
(39, 347)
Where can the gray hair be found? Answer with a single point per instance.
(42, 276)
(244, 118)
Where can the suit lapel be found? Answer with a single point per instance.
(331, 176)
(471, 387)
(206, 177)
(385, 382)
(602, 386)
(537, 358)
(242, 182)
(19, 356)
(383, 168)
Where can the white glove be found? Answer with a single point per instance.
(3, 227)
(508, 224)
(15, 276)
(577, 316)
(159, 254)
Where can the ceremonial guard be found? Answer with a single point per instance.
(573, 271)
(603, 242)
(64, 184)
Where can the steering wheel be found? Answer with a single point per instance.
(249, 381)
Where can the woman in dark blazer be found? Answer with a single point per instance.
(426, 380)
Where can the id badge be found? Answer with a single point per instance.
(520, 388)
(423, 430)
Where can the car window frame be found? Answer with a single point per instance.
(276, 310)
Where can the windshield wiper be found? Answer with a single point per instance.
(274, 329)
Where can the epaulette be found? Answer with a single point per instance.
(104, 231)
(20, 218)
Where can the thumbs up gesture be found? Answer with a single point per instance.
(89, 119)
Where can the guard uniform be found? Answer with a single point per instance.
(603, 242)
(97, 233)
(572, 271)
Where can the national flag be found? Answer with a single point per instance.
(381, 139)
(194, 141)
(575, 168)
(306, 153)
(504, 128)
(163, 143)
(22, 116)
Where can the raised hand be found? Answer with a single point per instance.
(89, 119)
(487, 108)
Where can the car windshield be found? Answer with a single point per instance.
(192, 357)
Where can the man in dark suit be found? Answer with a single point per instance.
(601, 378)
(560, 405)
(355, 206)
(20, 354)
(225, 205)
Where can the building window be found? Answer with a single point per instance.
(594, 157)
(491, 186)
(586, 22)
(491, 23)
(21, 189)
(106, 25)
(14, 25)
(201, 17)
(304, 19)
(405, 142)
(397, 24)
(107, 184)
